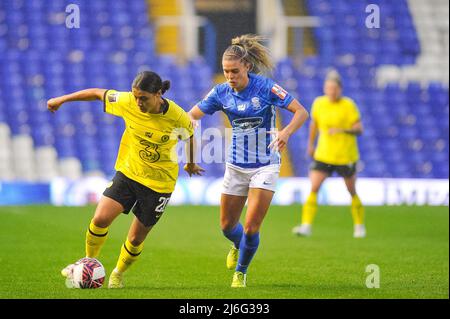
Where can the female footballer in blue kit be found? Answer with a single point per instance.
(253, 164)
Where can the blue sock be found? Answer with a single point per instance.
(247, 249)
(235, 234)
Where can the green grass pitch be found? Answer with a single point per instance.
(184, 255)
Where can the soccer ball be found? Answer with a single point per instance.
(87, 273)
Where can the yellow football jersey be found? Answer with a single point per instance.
(147, 152)
(341, 148)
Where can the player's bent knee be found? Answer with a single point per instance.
(106, 212)
(103, 218)
(227, 224)
(251, 229)
(101, 222)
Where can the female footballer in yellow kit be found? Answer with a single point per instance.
(336, 119)
(146, 165)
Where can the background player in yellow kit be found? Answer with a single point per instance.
(146, 165)
(335, 119)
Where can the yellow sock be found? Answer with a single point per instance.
(128, 255)
(357, 211)
(309, 209)
(95, 238)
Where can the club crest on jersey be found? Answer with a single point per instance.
(241, 107)
(256, 103)
(279, 91)
(112, 97)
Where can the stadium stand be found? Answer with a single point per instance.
(406, 120)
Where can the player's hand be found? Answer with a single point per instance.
(54, 104)
(193, 169)
(335, 130)
(280, 141)
(194, 122)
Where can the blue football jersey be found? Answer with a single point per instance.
(252, 114)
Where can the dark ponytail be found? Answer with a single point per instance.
(150, 82)
(165, 86)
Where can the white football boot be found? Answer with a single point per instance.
(304, 230)
(359, 231)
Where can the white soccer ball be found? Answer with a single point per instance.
(88, 273)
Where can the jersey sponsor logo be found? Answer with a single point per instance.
(242, 107)
(112, 97)
(279, 91)
(247, 123)
(165, 138)
(150, 153)
(149, 134)
(256, 104)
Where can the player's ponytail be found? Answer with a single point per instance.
(334, 76)
(150, 82)
(165, 86)
(248, 49)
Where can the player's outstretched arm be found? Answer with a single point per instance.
(84, 95)
(195, 114)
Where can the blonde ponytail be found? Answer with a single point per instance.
(334, 76)
(248, 49)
